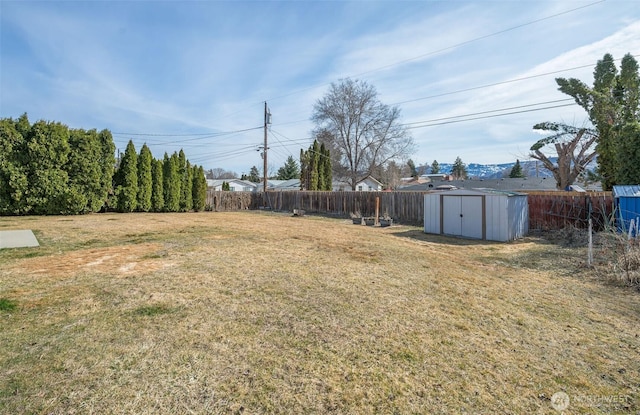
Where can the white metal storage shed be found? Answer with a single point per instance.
(477, 213)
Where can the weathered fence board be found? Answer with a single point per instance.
(547, 210)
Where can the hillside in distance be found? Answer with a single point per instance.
(531, 168)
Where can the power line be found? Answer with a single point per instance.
(524, 78)
(453, 121)
(490, 85)
(225, 155)
(199, 136)
(490, 111)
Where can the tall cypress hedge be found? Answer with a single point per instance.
(47, 168)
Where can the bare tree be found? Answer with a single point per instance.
(361, 133)
(573, 147)
(221, 174)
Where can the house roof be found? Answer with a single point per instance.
(291, 184)
(346, 182)
(218, 182)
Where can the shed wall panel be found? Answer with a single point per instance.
(432, 213)
(495, 217)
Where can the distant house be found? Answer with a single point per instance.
(235, 185)
(283, 185)
(368, 184)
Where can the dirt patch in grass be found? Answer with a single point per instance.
(264, 313)
(111, 260)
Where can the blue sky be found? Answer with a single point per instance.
(195, 74)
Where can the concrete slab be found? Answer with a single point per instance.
(17, 239)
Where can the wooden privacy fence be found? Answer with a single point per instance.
(557, 210)
(547, 210)
(403, 207)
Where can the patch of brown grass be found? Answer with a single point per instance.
(265, 313)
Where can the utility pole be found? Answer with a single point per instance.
(267, 121)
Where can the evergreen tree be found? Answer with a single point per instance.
(611, 103)
(107, 163)
(84, 171)
(435, 167)
(516, 171)
(315, 171)
(14, 182)
(325, 166)
(47, 153)
(171, 183)
(320, 168)
(186, 189)
(127, 184)
(157, 190)
(47, 168)
(23, 126)
(226, 187)
(145, 179)
(314, 161)
(459, 169)
(199, 189)
(185, 183)
(289, 171)
(628, 89)
(254, 175)
(304, 170)
(413, 172)
(628, 130)
(628, 171)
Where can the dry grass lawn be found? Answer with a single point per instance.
(256, 312)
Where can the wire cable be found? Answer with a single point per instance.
(432, 124)
(496, 110)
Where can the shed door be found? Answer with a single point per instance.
(462, 216)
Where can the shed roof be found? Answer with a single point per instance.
(484, 191)
(507, 183)
(626, 191)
